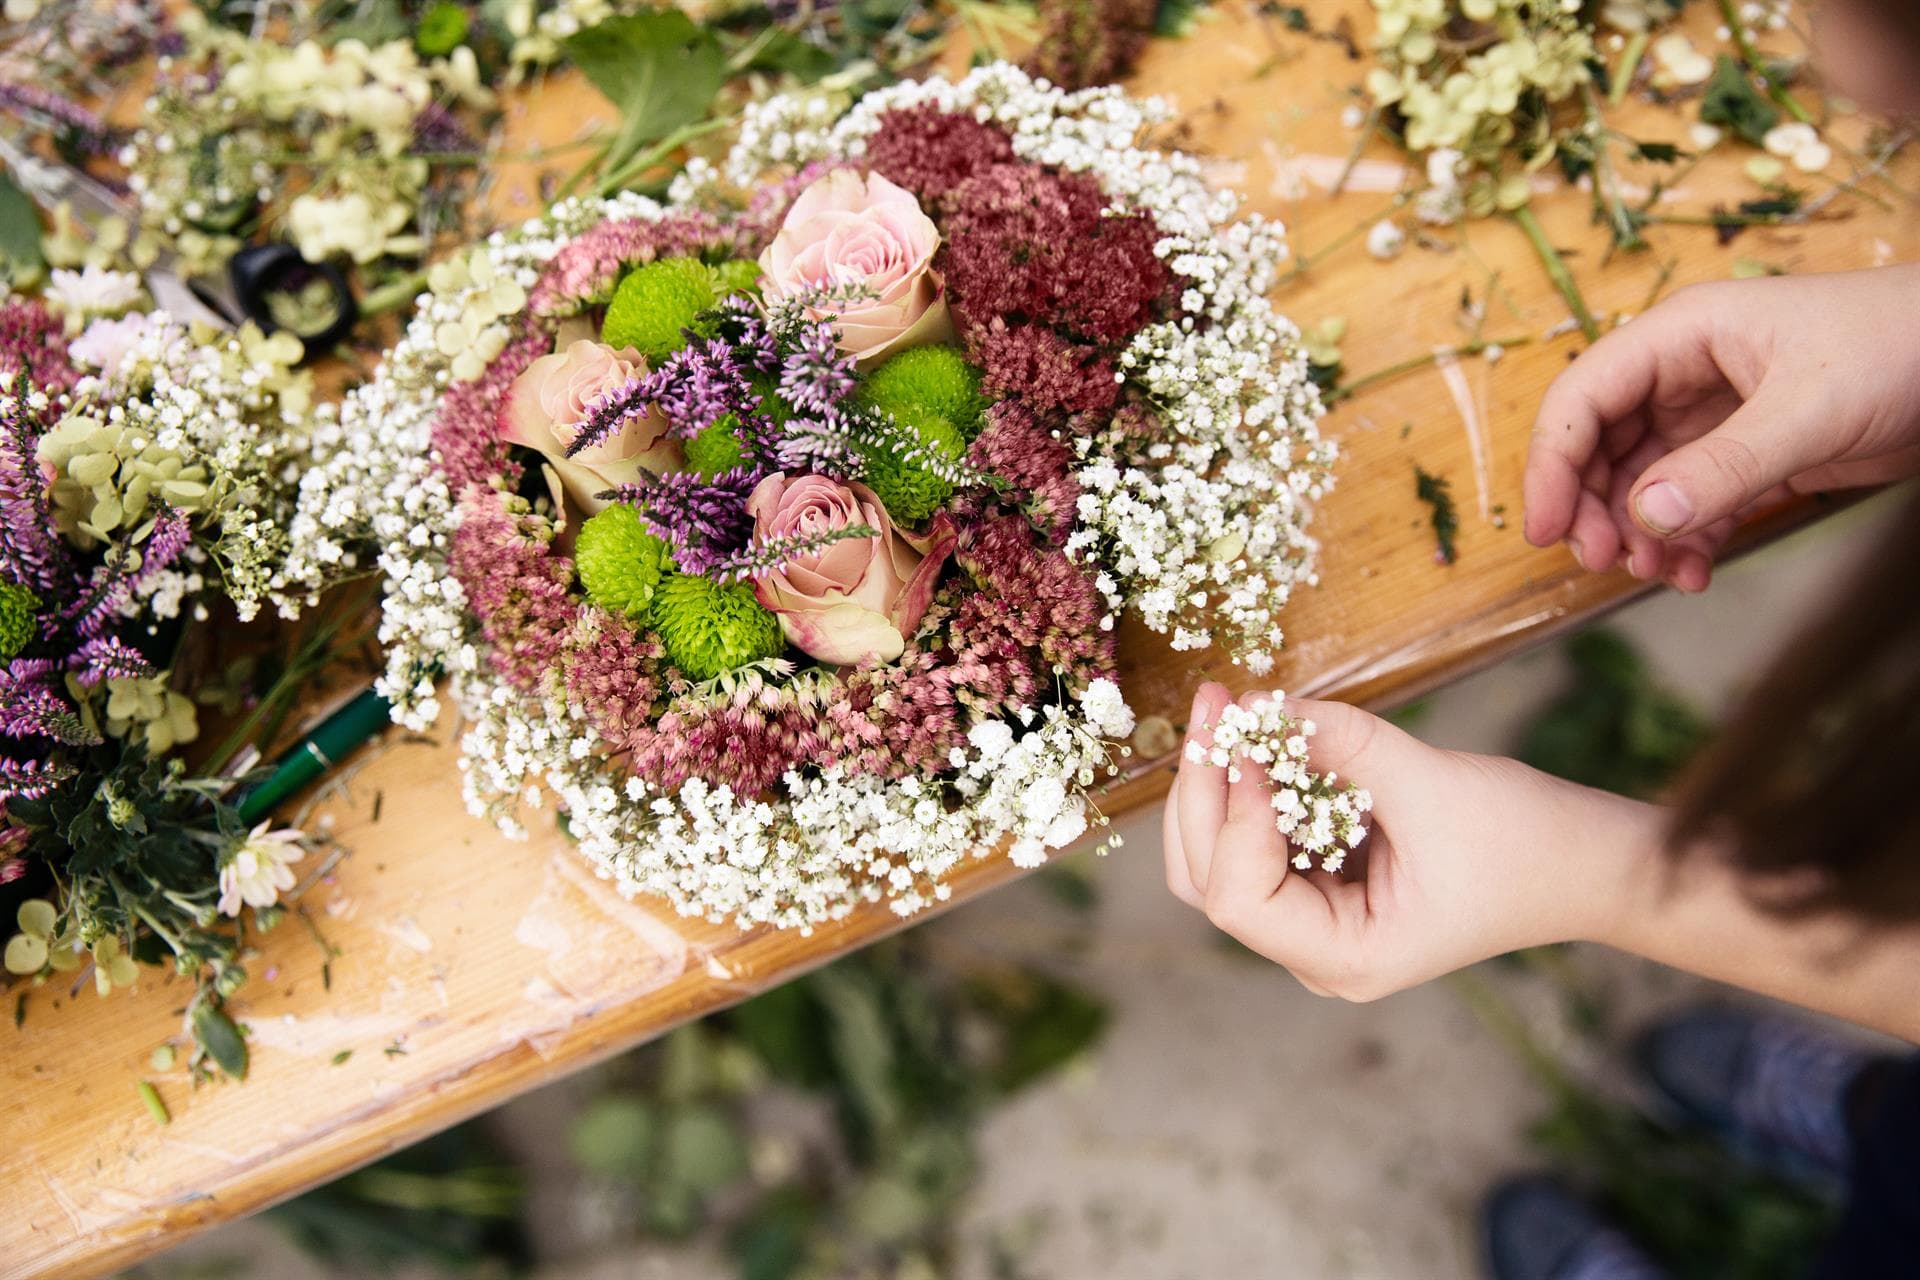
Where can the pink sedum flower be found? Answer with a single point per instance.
(855, 598)
(546, 403)
(848, 230)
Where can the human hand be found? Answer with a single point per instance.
(1655, 443)
(1469, 857)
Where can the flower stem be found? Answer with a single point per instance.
(658, 152)
(1347, 390)
(1557, 270)
(394, 294)
(1743, 41)
(1622, 77)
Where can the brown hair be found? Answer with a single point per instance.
(1814, 785)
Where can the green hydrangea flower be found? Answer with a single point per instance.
(655, 303)
(620, 562)
(715, 449)
(909, 492)
(710, 627)
(17, 607)
(928, 382)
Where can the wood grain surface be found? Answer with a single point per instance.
(471, 968)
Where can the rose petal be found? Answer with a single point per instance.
(843, 634)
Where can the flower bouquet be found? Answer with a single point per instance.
(147, 473)
(780, 531)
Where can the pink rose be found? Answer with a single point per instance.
(547, 401)
(854, 598)
(848, 230)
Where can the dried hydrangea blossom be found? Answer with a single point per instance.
(1320, 817)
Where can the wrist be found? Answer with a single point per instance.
(1626, 871)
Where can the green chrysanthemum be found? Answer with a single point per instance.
(908, 490)
(928, 382)
(736, 275)
(655, 303)
(710, 627)
(620, 563)
(17, 607)
(715, 449)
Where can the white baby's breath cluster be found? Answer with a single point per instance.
(1320, 818)
(216, 143)
(215, 425)
(832, 842)
(1202, 534)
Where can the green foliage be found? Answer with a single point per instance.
(736, 275)
(443, 28)
(710, 627)
(928, 382)
(620, 562)
(715, 449)
(20, 256)
(17, 608)
(1732, 102)
(1702, 1212)
(451, 1202)
(656, 303)
(1436, 493)
(659, 69)
(1616, 727)
(909, 1058)
(220, 1037)
(908, 490)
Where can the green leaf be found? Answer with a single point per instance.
(802, 59)
(19, 230)
(614, 1136)
(1732, 102)
(862, 1047)
(701, 1150)
(771, 1244)
(659, 69)
(216, 1033)
(1047, 1024)
(442, 29)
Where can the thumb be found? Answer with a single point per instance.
(1355, 744)
(1769, 439)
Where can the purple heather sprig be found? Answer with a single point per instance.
(29, 708)
(49, 110)
(814, 376)
(31, 779)
(30, 551)
(774, 554)
(107, 595)
(704, 520)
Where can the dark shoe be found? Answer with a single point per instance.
(1532, 1228)
(1772, 1089)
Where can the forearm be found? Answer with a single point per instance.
(1699, 914)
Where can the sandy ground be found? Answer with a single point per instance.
(1234, 1127)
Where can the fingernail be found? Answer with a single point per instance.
(1662, 507)
(1197, 718)
(1579, 552)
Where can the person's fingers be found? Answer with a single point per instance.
(1202, 788)
(1594, 538)
(1689, 569)
(1251, 893)
(1603, 387)
(1173, 853)
(1357, 745)
(1774, 436)
(1897, 464)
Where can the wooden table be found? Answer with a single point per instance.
(472, 968)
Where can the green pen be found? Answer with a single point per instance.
(364, 715)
